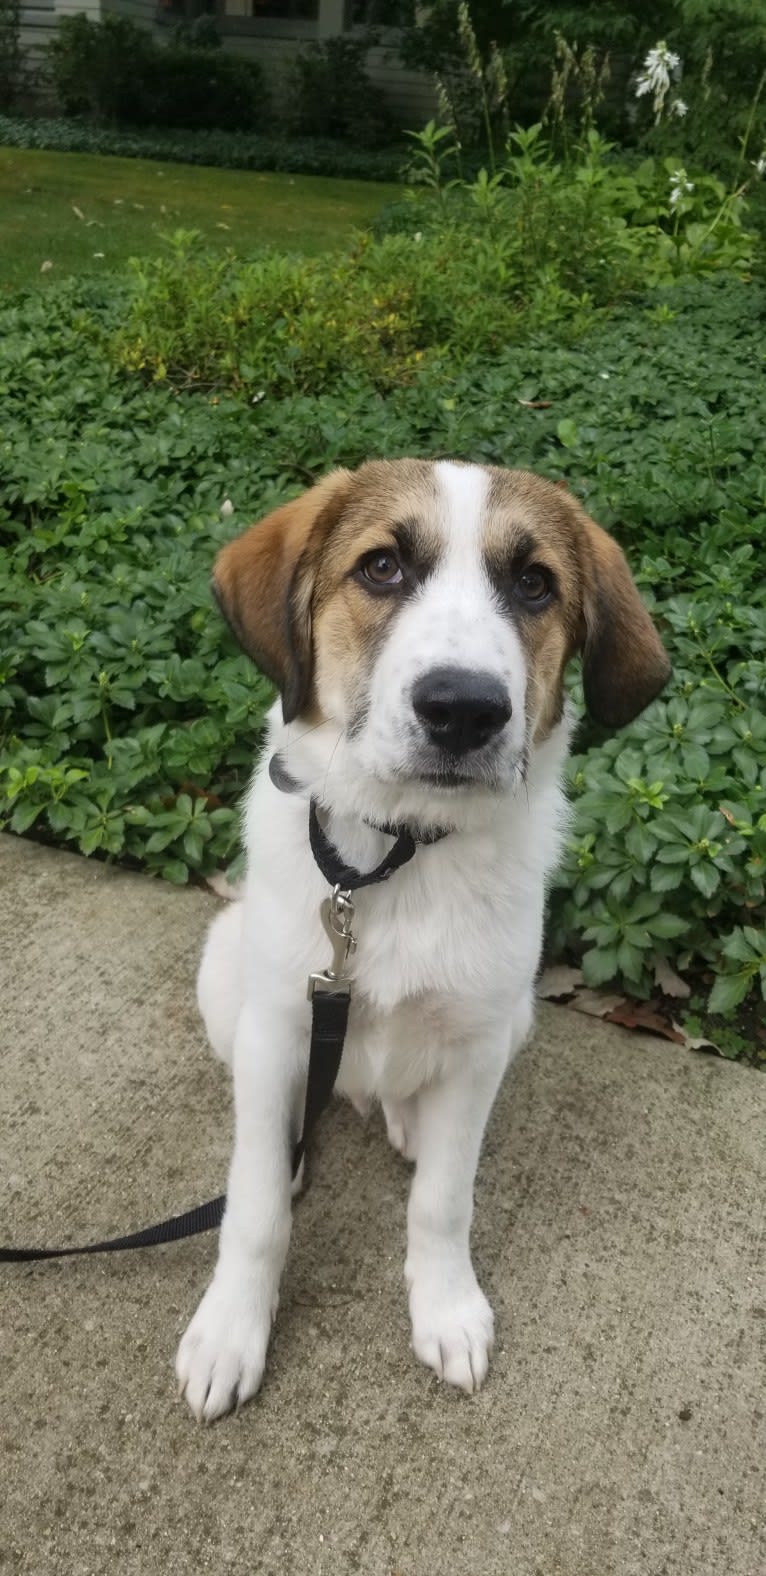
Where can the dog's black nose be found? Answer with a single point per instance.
(461, 710)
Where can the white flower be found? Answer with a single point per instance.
(659, 64)
(679, 184)
(759, 165)
(227, 508)
(679, 107)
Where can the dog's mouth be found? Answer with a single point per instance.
(486, 770)
(452, 779)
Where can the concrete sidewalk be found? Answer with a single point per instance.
(619, 1235)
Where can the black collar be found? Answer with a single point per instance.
(333, 868)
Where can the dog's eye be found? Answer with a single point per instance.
(381, 568)
(534, 586)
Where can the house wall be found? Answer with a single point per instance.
(410, 94)
(144, 12)
(40, 18)
(38, 25)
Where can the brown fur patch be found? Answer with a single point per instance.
(263, 582)
(389, 505)
(528, 521)
(596, 609)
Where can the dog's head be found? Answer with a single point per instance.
(426, 612)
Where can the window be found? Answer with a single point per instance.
(286, 10)
(383, 13)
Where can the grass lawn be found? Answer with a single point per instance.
(67, 208)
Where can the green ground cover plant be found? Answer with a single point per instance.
(129, 719)
(235, 150)
(86, 213)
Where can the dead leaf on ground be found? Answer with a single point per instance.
(640, 1015)
(669, 982)
(695, 1042)
(596, 1005)
(78, 211)
(558, 981)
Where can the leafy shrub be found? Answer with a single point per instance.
(551, 246)
(721, 46)
(599, 223)
(329, 94)
(113, 70)
(129, 720)
(229, 149)
(275, 324)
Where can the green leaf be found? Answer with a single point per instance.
(729, 990)
(665, 878)
(667, 926)
(631, 961)
(696, 761)
(705, 877)
(176, 871)
(599, 965)
(566, 432)
(25, 815)
(640, 842)
(742, 946)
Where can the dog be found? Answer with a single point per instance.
(417, 618)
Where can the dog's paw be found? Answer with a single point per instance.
(221, 1357)
(401, 1126)
(452, 1330)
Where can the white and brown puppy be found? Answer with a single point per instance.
(418, 618)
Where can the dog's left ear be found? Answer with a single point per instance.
(264, 583)
(625, 664)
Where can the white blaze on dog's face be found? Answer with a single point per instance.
(436, 690)
(428, 611)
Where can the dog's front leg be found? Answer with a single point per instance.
(221, 1357)
(452, 1325)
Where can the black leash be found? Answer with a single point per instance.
(204, 1218)
(330, 996)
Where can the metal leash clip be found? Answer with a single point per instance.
(337, 915)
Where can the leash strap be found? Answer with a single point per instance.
(204, 1218)
(329, 1020)
(328, 1032)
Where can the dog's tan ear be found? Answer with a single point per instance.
(264, 580)
(625, 664)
